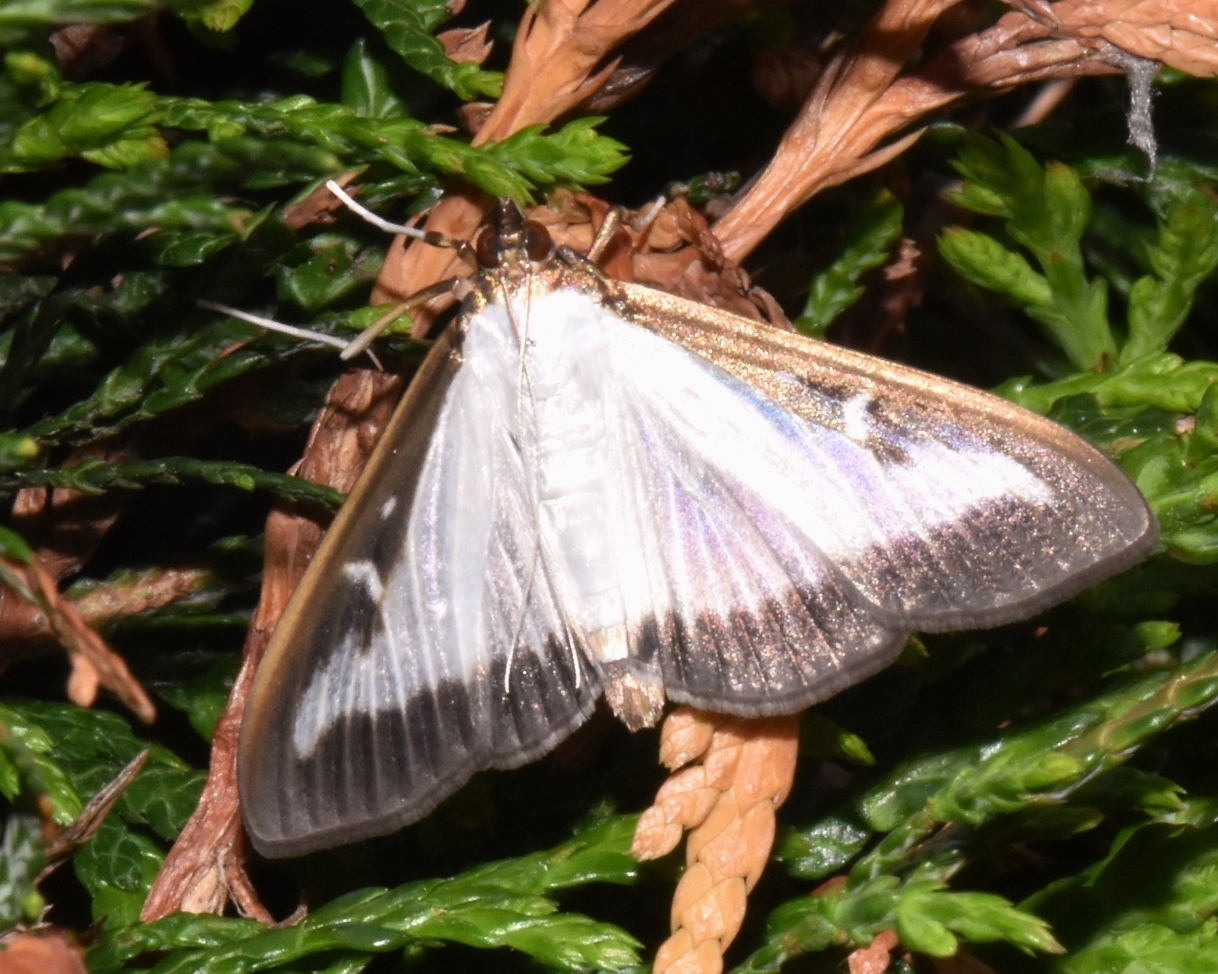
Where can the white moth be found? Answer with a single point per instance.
(593, 487)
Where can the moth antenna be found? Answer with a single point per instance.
(429, 237)
(270, 324)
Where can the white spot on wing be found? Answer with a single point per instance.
(387, 508)
(365, 573)
(854, 417)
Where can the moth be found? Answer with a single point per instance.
(593, 487)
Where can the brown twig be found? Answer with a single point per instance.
(864, 98)
(727, 802)
(105, 602)
(94, 663)
(206, 866)
(86, 824)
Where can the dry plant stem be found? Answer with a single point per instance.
(207, 864)
(727, 801)
(862, 99)
(104, 603)
(94, 663)
(91, 817)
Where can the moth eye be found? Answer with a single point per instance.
(486, 249)
(537, 241)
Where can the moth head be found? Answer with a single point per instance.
(510, 238)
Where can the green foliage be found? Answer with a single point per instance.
(1047, 210)
(873, 229)
(408, 26)
(501, 904)
(100, 476)
(72, 754)
(928, 918)
(1149, 905)
(1127, 385)
(1041, 794)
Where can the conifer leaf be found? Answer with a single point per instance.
(1046, 211)
(874, 227)
(407, 26)
(501, 904)
(366, 85)
(1184, 255)
(98, 476)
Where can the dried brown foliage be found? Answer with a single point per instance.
(467, 43)
(875, 957)
(206, 866)
(46, 952)
(729, 777)
(867, 95)
(94, 664)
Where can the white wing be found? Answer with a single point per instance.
(777, 513)
(425, 643)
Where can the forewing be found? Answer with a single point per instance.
(423, 643)
(942, 507)
(745, 614)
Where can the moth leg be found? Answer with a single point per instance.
(458, 286)
(613, 220)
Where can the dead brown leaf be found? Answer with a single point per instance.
(473, 115)
(81, 49)
(467, 43)
(46, 952)
(317, 207)
(93, 662)
(867, 96)
(875, 957)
